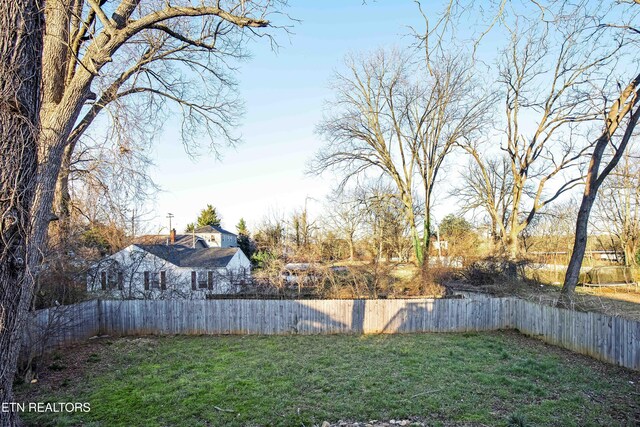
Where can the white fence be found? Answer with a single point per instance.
(612, 339)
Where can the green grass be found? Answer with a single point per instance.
(443, 379)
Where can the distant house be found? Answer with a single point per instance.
(216, 237)
(164, 271)
(188, 240)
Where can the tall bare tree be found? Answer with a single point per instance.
(393, 117)
(85, 43)
(617, 211)
(623, 113)
(547, 73)
(178, 63)
(21, 34)
(620, 119)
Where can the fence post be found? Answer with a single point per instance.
(101, 327)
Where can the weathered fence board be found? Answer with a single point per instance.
(611, 339)
(56, 326)
(303, 317)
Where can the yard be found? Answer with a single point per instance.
(467, 379)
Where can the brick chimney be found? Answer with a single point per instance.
(172, 236)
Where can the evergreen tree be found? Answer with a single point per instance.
(245, 243)
(208, 216)
(242, 228)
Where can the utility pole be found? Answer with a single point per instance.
(133, 223)
(170, 215)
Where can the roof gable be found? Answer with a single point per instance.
(212, 229)
(183, 256)
(163, 239)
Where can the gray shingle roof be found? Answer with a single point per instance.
(183, 256)
(212, 229)
(161, 239)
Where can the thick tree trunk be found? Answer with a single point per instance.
(624, 105)
(62, 201)
(630, 251)
(21, 33)
(417, 246)
(512, 244)
(579, 247)
(426, 240)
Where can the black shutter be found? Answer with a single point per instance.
(193, 281)
(120, 280)
(103, 280)
(146, 280)
(210, 280)
(163, 280)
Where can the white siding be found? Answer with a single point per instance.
(132, 263)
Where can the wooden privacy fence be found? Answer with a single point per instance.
(607, 338)
(611, 339)
(52, 327)
(304, 316)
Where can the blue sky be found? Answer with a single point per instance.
(284, 93)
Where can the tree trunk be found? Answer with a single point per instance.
(21, 33)
(417, 246)
(630, 251)
(62, 201)
(512, 244)
(426, 239)
(579, 247)
(625, 103)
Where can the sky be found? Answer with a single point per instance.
(284, 93)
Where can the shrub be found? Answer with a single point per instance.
(489, 271)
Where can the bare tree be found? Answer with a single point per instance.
(402, 120)
(270, 235)
(176, 63)
(104, 182)
(621, 114)
(85, 41)
(21, 34)
(302, 231)
(548, 75)
(620, 119)
(385, 223)
(617, 212)
(345, 216)
(486, 187)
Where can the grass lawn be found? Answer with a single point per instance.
(442, 379)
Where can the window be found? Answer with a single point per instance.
(202, 279)
(146, 280)
(112, 280)
(155, 281)
(210, 280)
(163, 280)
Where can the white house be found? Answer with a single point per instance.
(202, 237)
(216, 236)
(163, 271)
(188, 240)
